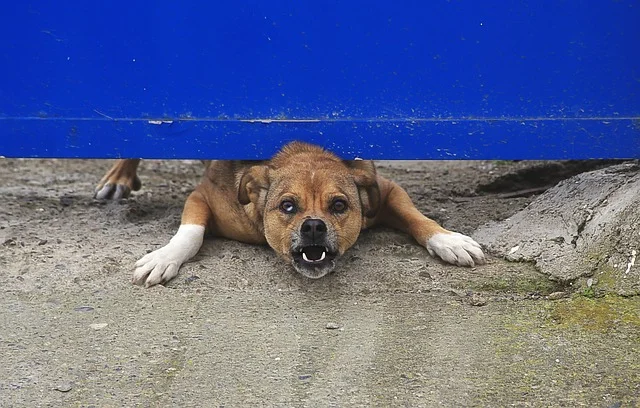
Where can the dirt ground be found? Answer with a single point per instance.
(237, 327)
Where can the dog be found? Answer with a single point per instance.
(305, 203)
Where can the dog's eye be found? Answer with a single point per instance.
(339, 206)
(288, 207)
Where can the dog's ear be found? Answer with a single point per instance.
(253, 182)
(364, 175)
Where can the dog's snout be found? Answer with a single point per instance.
(314, 229)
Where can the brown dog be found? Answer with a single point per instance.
(307, 204)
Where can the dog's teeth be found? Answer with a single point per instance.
(323, 255)
(304, 256)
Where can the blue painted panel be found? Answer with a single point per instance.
(520, 79)
(394, 139)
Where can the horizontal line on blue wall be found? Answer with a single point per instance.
(169, 120)
(419, 138)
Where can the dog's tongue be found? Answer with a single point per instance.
(313, 253)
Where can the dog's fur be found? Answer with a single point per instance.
(305, 203)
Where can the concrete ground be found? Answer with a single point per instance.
(392, 327)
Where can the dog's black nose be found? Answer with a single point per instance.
(314, 230)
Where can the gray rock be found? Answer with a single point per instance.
(556, 295)
(588, 225)
(477, 300)
(64, 387)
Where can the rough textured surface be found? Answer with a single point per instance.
(588, 225)
(393, 327)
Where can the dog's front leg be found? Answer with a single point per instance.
(162, 265)
(398, 211)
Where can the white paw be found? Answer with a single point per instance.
(162, 265)
(455, 248)
(157, 267)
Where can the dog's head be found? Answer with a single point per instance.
(312, 204)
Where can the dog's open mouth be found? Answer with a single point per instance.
(314, 261)
(313, 255)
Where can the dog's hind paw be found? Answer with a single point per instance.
(455, 248)
(119, 181)
(116, 191)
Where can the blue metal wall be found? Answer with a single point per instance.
(375, 79)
